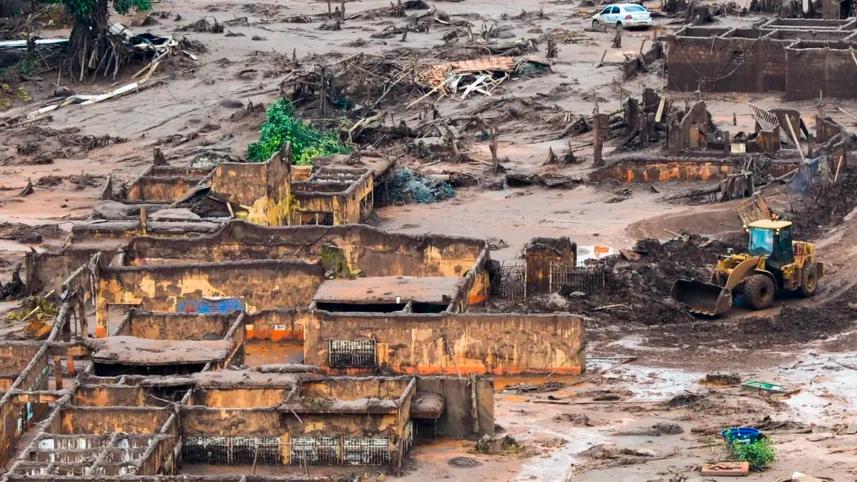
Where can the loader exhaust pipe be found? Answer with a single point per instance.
(702, 298)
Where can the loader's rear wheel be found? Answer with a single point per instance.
(809, 282)
(759, 291)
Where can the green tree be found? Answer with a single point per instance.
(91, 47)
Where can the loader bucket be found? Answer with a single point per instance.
(702, 298)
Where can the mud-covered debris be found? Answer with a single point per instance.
(821, 210)
(667, 428)
(464, 462)
(489, 444)
(26, 233)
(533, 388)
(801, 323)
(203, 25)
(685, 400)
(577, 419)
(768, 424)
(721, 380)
(14, 288)
(407, 186)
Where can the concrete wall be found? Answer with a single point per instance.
(259, 285)
(453, 343)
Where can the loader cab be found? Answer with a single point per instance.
(772, 239)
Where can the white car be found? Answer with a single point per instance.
(622, 15)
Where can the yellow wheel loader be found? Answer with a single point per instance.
(773, 264)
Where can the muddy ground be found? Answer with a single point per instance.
(211, 106)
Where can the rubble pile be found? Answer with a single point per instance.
(408, 186)
(826, 207)
(639, 282)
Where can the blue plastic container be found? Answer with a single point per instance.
(741, 434)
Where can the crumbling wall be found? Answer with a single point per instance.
(14, 358)
(354, 388)
(374, 252)
(46, 271)
(637, 64)
(110, 395)
(240, 182)
(259, 285)
(176, 326)
(346, 203)
(160, 189)
(105, 420)
(229, 422)
(264, 188)
(275, 325)
(542, 253)
(240, 397)
(816, 69)
(453, 343)
(165, 183)
(757, 60)
(112, 235)
(648, 170)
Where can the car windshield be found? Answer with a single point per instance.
(761, 242)
(634, 8)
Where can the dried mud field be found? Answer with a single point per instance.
(655, 393)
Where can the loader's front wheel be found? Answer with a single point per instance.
(809, 281)
(759, 290)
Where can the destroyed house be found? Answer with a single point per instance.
(162, 394)
(269, 193)
(803, 58)
(168, 344)
(342, 268)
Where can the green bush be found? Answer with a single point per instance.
(282, 125)
(760, 453)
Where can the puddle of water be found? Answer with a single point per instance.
(825, 393)
(556, 466)
(653, 384)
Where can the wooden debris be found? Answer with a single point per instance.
(726, 469)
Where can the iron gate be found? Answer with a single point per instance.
(572, 278)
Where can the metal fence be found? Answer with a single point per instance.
(512, 284)
(351, 353)
(352, 451)
(231, 450)
(573, 278)
(314, 451)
